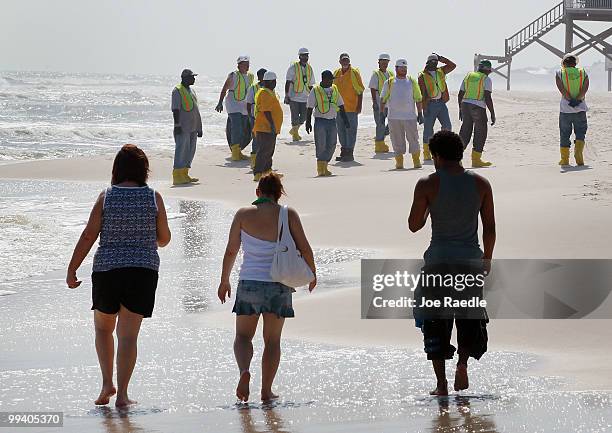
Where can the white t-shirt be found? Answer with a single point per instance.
(488, 86)
(401, 103)
(374, 84)
(312, 103)
(231, 105)
(564, 106)
(299, 97)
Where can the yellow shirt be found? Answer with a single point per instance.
(347, 91)
(267, 101)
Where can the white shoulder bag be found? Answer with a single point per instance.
(288, 265)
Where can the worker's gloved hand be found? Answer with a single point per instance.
(574, 102)
(308, 127)
(493, 119)
(286, 100)
(420, 118)
(219, 107)
(460, 115)
(178, 130)
(200, 134)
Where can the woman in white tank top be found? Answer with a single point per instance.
(255, 229)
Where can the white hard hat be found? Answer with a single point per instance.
(569, 56)
(243, 58)
(303, 51)
(432, 57)
(269, 76)
(401, 62)
(384, 56)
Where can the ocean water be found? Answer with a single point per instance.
(57, 115)
(186, 374)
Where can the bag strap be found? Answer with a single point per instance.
(284, 212)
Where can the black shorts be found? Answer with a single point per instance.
(134, 288)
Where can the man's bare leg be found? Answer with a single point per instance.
(461, 374)
(128, 327)
(442, 385)
(243, 351)
(105, 348)
(273, 327)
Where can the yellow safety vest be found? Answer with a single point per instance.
(434, 87)
(416, 91)
(354, 79)
(186, 97)
(325, 102)
(261, 89)
(474, 86)
(302, 81)
(573, 81)
(241, 85)
(382, 77)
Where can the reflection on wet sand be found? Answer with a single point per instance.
(463, 420)
(118, 421)
(272, 421)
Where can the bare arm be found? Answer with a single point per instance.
(560, 86)
(449, 65)
(460, 97)
(420, 207)
(424, 93)
(88, 238)
(229, 258)
(223, 93)
(585, 88)
(287, 87)
(268, 115)
(374, 92)
(163, 231)
(359, 102)
(487, 215)
(489, 102)
(302, 244)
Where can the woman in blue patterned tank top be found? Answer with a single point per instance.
(131, 220)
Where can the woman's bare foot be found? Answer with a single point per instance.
(105, 395)
(123, 402)
(441, 390)
(242, 390)
(461, 378)
(268, 396)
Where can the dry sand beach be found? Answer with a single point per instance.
(542, 211)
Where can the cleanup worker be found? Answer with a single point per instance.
(432, 81)
(474, 99)
(349, 83)
(238, 123)
(268, 122)
(251, 110)
(325, 100)
(300, 80)
(573, 84)
(400, 94)
(187, 127)
(379, 76)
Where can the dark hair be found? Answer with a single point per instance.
(260, 73)
(447, 145)
(131, 164)
(327, 74)
(570, 61)
(271, 185)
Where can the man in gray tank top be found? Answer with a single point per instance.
(455, 198)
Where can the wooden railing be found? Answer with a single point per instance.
(538, 27)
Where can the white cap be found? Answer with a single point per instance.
(269, 76)
(303, 51)
(569, 55)
(384, 56)
(401, 62)
(243, 58)
(432, 57)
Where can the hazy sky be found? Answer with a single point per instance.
(163, 36)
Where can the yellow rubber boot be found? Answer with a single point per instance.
(327, 172)
(189, 178)
(565, 152)
(320, 168)
(416, 159)
(253, 157)
(380, 146)
(477, 161)
(294, 133)
(178, 177)
(426, 153)
(256, 177)
(578, 152)
(237, 155)
(278, 173)
(399, 162)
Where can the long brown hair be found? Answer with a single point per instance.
(131, 164)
